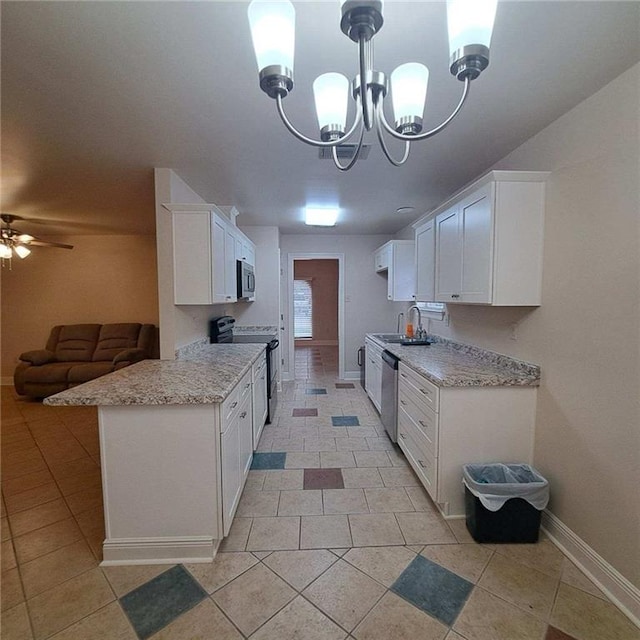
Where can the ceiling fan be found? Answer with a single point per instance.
(15, 242)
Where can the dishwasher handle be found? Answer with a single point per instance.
(390, 359)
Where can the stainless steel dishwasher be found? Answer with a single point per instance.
(389, 401)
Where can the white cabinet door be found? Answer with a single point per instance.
(224, 261)
(219, 248)
(231, 472)
(448, 256)
(476, 231)
(192, 258)
(259, 399)
(396, 258)
(373, 372)
(245, 428)
(382, 257)
(425, 261)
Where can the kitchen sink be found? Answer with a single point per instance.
(395, 338)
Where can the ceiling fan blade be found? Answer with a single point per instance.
(42, 243)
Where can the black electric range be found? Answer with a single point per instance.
(221, 331)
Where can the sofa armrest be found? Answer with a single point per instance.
(38, 357)
(130, 355)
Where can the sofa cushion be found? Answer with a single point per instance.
(38, 357)
(49, 373)
(114, 338)
(88, 371)
(77, 342)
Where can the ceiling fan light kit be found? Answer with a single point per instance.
(272, 22)
(13, 242)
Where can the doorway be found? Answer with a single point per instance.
(315, 316)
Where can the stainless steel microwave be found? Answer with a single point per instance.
(246, 280)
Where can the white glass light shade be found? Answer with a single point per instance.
(25, 237)
(331, 93)
(273, 32)
(321, 217)
(5, 252)
(21, 250)
(409, 90)
(470, 22)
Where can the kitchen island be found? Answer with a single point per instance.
(459, 404)
(176, 443)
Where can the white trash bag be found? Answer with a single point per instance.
(496, 483)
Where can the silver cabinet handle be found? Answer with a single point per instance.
(403, 436)
(455, 295)
(426, 393)
(228, 297)
(423, 423)
(234, 405)
(403, 375)
(422, 464)
(243, 414)
(246, 386)
(402, 402)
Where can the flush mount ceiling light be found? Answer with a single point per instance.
(320, 217)
(272, 24)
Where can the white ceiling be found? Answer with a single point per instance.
(97, 94)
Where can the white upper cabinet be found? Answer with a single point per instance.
(488, 242)
(205, 249)
(425, 260)
(396, 257)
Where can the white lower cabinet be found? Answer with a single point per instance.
(441, 429)
(236, 447)
(259, 378)
(373, 372)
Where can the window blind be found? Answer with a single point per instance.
(302, 309)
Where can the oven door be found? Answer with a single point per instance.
(272, 379)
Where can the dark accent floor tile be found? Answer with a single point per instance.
(305, 413)
(316, 392)
(323, 479)
(345, 421)
(434, 589)
(263, 460)
(556, 634)
(345, 385)
(158, 602)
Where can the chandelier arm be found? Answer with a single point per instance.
(440, 127)
(383, 144)
(356, 155)
(364, 94)
(311, 141)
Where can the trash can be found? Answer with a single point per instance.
(503, 502)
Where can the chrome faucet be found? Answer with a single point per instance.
(399, 325)
(420, 332)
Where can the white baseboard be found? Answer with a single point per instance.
(622, 593)
(351, 375)
(315, 343)
(124, 551)
(6, 381)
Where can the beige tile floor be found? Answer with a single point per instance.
(307, 564)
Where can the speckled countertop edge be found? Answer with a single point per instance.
(454, 364)
(205, 374)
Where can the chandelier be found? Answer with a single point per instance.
(272, 23)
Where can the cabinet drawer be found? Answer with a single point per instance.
(423, 463)
(231, 404)
(419, 389)
(424, 419)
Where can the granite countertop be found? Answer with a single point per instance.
(259, 330)
(203, 374)
(454, 364)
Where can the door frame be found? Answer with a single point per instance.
(291, 258)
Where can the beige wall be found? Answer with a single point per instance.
(585, 335)
(102, 279)
(324, 290)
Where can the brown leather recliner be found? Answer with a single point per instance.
(77, 353)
